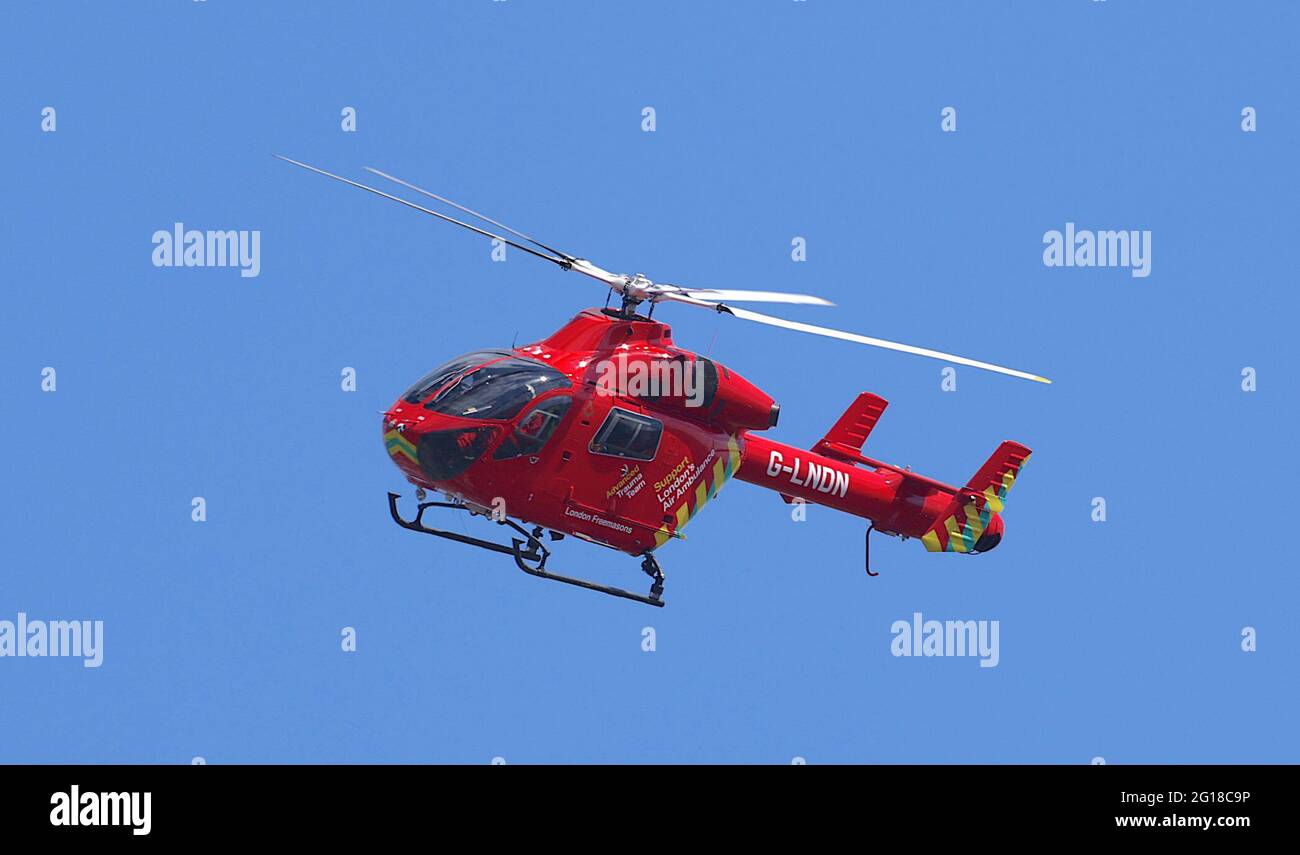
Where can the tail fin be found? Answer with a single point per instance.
(970, 522)
(850, 432)
(998, 473)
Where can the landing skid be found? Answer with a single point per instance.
(528, 552)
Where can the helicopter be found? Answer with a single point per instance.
(608, 432)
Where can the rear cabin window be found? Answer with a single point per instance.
(629, 435)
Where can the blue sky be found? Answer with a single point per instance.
(774, 119)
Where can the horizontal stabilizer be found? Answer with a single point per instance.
(971, 522)
(998, 473)
(848, 435)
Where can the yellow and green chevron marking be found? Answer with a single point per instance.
(960, 531)
(995, 499)
(728, 461)
(397, 444)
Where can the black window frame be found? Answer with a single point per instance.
(437, 379)
(608, 426)
(549, 400)
(442, 403)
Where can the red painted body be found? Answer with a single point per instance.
(895, 502)
(573, 483)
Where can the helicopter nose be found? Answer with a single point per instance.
(992, 535)
(401, 439)
(396, 418)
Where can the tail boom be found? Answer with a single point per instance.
(897, 501)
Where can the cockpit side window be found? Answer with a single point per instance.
(627, 434)
(443, 374)
(534, 429)
(498, 390)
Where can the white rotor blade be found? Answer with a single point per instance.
(612, 280)
(721, 295)
(616, 281)
(635, 289)
(747, 315)
(582, 265)
(560, 261)
(483, 217)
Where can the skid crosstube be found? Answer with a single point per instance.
(532, 559)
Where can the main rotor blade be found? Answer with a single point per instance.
(562, 262)
(472, 213)
(721, 295)
(641, 288)
(745, 314)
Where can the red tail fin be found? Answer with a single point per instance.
(850, 432)
(998, 473)
(971, 522)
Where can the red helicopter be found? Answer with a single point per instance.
(609, 432)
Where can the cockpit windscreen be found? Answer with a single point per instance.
(498, 390)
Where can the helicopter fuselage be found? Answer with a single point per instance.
(609, 432)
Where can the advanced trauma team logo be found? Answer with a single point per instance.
(75, 808)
